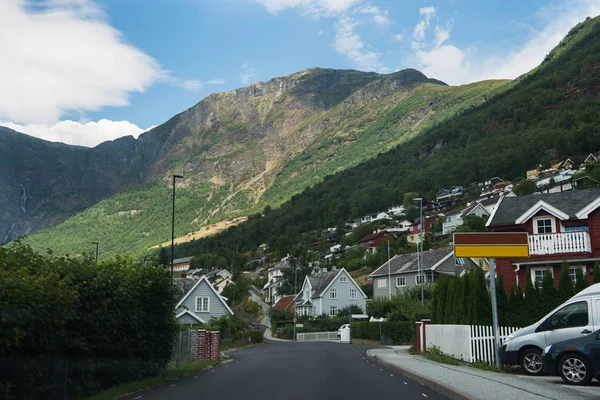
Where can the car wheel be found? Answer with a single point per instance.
(575, 369)
(531, 361)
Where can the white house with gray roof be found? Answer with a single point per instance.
(198, 301)
(402, 271)
(328, 292)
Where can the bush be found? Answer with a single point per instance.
(255, 336)
(252, 307)
(394, 332)
(99, 324)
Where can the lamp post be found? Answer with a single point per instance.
(421, 269)
(295, 294)
(175, 176)
(96, 243)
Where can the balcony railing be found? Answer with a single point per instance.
(559, 243)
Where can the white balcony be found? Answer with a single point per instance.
(560, 243)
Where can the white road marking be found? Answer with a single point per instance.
(172, 385)
(391, 375)
(380, 369)
(195, 376)
(212, 370)
(424, 395)
(136, 398)
(405, 383)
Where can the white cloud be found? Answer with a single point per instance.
(248, 74)
(84, 134)
(320, 33)
(349, 43)
(217, 81)
(442, 34)
(315, 8)
(398, 37)
(379, 16)
(454, 65)
(191, 85)
(63, 55)
(381, 20)
(425, 17)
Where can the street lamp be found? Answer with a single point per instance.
(421, 269)
(96, 243)
(175, 176)
(295, 294)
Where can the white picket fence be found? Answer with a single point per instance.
(470, 343)
(307, 336)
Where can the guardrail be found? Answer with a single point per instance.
(311, 336)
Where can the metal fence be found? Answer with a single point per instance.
(181, 349)
(308, 336)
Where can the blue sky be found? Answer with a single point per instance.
(85, 71)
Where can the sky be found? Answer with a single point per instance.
(86, 71)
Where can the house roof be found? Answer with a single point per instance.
(284, 303)
(404, 263)
(280, 265)
(570, 203)
(319, 282)
(373, 236)
(183, 260)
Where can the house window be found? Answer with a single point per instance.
(333, 310)
(573, 273)
(343, 279)
(202, 304)
(381, 283)
(543, 225)
(420, 279)
(537, 275)
(401, 281)
(575, 228)
(352, 295)
(333, 294)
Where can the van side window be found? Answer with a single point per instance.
(570, 316)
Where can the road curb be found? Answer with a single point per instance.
(447, 391)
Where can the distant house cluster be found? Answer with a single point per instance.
(558, 176)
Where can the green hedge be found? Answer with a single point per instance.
(70, 327)
(391, 332)
(255, 336)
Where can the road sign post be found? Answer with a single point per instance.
(492, 245)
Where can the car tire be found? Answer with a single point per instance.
(531, 362)
(575, 369)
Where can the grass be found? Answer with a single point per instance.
(167, 376)
(435, 354)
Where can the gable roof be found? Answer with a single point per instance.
(284, 302)
(404, 263)
(570, 203)
(191, 314)
(472, 208)
(373, 236)
(183, 284)
(183, 260)
(280, 265)
(319, 282)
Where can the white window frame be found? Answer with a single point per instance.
(381, 283)
(343, 279)
(545, 217)
(333, 311)
(352, 294)
(544, 269)
(574, 269)
(200, 309)
(423, 278)
(333, 295)
(400, 281)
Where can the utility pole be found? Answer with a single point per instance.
(492, 263)
(389, 273)
(420, 256)
(295, 293)
(175, 176)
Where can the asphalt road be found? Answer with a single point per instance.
(294, 371)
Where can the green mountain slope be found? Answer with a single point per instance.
(553, 110)
(259, 145)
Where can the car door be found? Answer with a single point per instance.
(571, 321)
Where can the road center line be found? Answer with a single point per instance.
(172, 385)
(136, 398)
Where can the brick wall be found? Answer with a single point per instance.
(204, 344)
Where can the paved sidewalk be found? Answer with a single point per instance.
(464, 382)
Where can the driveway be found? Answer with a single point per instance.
(264, 307)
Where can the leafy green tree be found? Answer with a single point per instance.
(408, 199)
(549, 295)
(596, 272)
(474, 192)
(449, 302)
(479, 300)
(566, 290)
(291, 283)
(518, 314)
(525, 187)
(532, 297)
(472, 223)
(457, 306)
(581, 281)
(163, 259)
(501, 301)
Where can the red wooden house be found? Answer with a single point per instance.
(561, 226)
(370, 242)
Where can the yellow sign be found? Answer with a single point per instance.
(492, 245)
(517, 251)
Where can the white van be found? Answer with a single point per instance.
(578, 316)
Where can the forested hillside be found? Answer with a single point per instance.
(552, 111)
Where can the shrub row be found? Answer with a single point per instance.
(70, 327)
(394, 332)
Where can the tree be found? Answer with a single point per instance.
(474, 192)
(525, 187)
(472, 223)
(292, 283)
(517, 310)
(163, 259)
(565, 284)
(581, 281)
(449, 302)
(549, 295)
(501, 300)
(596, 273)
(480, 312)
(532, 298)
(409, 199)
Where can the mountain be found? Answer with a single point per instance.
(238, 150)
(550, 112)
